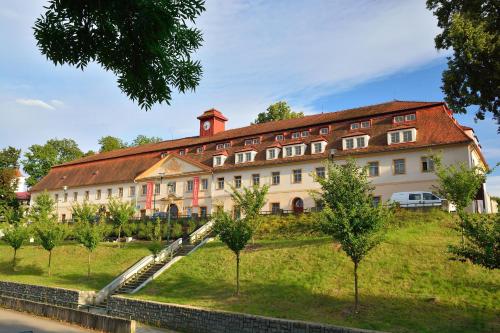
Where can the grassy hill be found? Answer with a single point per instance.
(69, 264)
(407, 284)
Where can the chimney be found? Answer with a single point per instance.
(212, 122)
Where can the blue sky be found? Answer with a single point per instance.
(320, 56)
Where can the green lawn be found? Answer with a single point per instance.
(69, 264)
(408, 284)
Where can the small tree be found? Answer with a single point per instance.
(155, 235)
(250, 201)
(49, 232)
(459, 184)
(482, 235)
(120, 213)
(235, 233)
(88, 231)
(15, 235)
(89, 235)
(349, 214)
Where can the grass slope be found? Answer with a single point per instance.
(69, 264)
(407, 284)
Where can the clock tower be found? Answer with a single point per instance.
(212, 122)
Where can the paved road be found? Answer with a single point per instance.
(15, 322)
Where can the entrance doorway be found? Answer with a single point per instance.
(174, 211)
(298, 205)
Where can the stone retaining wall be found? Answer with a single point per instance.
(196, 320)
(56, 296)
(88, 320)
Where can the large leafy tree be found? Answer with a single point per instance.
(50, 233)
(40, 158)
(9, 163)
(146, 44)
(277, 111)
(482, 240)
(143, 140)
(349, 214)
(109, 143)
(235, 233)
(471, 29)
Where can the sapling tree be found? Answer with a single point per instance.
(459, 184)
(250, 200)
(120, 213)
(235, 233)
(155, 236)
(88, 231)
(50, 233)
(482, 240)
(349, 214)
(16, 232)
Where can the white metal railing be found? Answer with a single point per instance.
(122, 278)
(201, 232)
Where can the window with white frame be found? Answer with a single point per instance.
(427, 164)
(399, 166)
(189, 186)
(120, 192)
(219, 160)
(304, 134)
(248, 156)
(227, 145)
(144, 189)
(219, 146)
(98, 195)
(297, 150)
(256, 179)
(399, 119)
(248, 142)
(220, 183)
(288, 151)
(237, 181)
(171, 187)
(297, 176)
(199, 150)
(354, 126)
(318, 147)
(204, 184)
(406, 135)
(355, 142)
(131, 191)
(157, 188)
(295, 135)
(279, 137)
(323, 130)
(182, 152)
(275, 178)
(373, 169)
(365, 124)
(320, 172)
(410, 117)
(272, 153)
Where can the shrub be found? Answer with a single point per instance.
(288, 226)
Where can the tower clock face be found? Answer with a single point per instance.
(206, 125)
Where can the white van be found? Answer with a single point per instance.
(419, 199)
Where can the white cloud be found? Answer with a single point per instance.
(493, 185)
(57, 103)
(35, 102)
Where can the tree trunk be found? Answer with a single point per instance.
(14, 260)
(88, 272)
(50, 258)
(356, 296)
(237, 274)
(119, 234)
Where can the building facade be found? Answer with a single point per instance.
(194, 174)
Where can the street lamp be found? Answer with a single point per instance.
(169, 193)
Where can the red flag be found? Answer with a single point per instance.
(149, 194)
(196, 184)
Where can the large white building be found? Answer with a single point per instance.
(191, 175)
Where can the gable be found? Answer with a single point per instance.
(172, 166)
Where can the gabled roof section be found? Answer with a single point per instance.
(173, 165)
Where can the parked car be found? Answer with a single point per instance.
(420, 199)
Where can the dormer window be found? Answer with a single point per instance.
(410, 117)
(182, 152)
(304, 134)
(318, 147)
(323, 130)
(365, 124)
(295, 135)
(218, 160)
(405, 118)
(355, 142)
(219, 146)
(399, 119)
(279, 137)
(199, 150)
(244, 157)
(254, 141)
(354, 126)
(295, 150)
(272, 153)
(402, 136)
(227, 145)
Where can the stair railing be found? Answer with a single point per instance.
(202, 232)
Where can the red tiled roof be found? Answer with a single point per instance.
(274, 145)
(212, 113)
(435, 124)
(357, 133)
(246, 149)
(320, 138)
